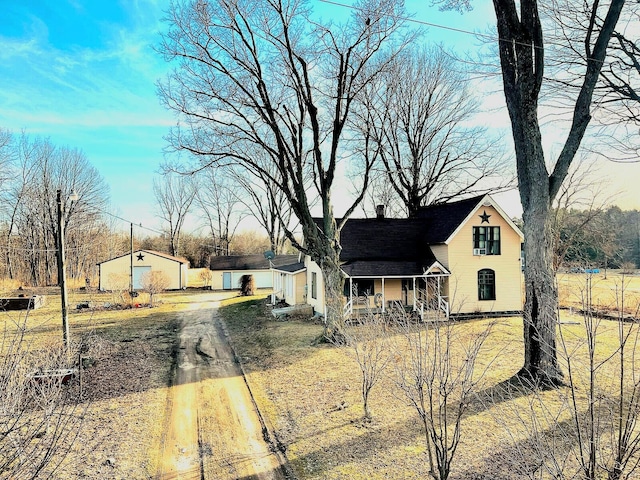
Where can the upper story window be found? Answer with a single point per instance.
(486, 240)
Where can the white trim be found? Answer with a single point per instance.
(437, 264)
(486, 201)
(287, 272)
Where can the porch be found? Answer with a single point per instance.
(420, 295)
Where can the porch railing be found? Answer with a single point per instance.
(347, 309)
(444, 306)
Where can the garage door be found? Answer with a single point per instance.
(138, 272)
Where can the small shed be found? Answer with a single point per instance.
(115, 274)
(227, 270)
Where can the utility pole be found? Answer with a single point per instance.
(62, 275)
(131, 269)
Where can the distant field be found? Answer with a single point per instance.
(608, 294)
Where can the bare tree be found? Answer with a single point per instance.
(267, 204)
(435, 371)
(154, 282)
(522, 51)
(429, 150)
(581, 190)
(369, 339)
(6, 156)
(588, 430)
(268, 75)
(39, 417)
(217, 199)
(174, 194)
(41, 169)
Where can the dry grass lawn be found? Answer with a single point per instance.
(124, 388)
(310, 396)
(607, 292)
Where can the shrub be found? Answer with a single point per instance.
(247, 285)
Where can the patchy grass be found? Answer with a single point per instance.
(128, 358)
(310, 396)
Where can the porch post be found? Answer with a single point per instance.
(415, 299)
(351, 294)
(383, 295)
(426, 291)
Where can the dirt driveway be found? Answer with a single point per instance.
(213, 430)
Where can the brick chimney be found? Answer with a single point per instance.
(379, 211)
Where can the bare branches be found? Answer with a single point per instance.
(174, 194)
(39, 419)
(264, 77)
(430, 151)
(436, 372)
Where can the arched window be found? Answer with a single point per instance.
(486, 284)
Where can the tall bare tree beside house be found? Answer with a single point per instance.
(522, 61)
(522, 52)
(268, 74)
(174, 194)
(430, 151)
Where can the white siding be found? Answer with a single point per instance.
(318, 303)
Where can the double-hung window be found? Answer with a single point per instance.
(486, 284)
(486, 240)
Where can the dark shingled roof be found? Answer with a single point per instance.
(382, 268)
(249, 262)
(399, 246)
(442, 220)
(291, 268)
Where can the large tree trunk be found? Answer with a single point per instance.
(540, 308)
(522, 62)
(334, 299)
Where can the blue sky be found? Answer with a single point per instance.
(83, 73)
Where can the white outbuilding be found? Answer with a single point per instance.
(120, 272)
(227, 270)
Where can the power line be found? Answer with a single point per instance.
(493, 38)
(420, 22)
(139, 225)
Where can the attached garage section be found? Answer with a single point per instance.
(117, 273)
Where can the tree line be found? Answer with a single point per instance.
(33, 170)
(601, 238)
(37, 173)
